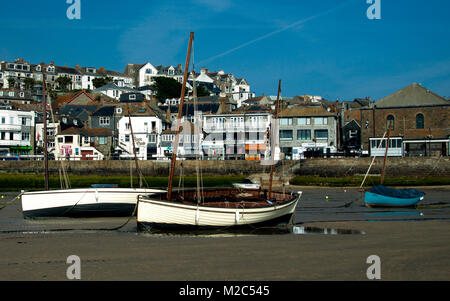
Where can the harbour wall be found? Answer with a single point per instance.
(330, 167)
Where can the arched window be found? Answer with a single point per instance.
(390, 122)
(420, 122)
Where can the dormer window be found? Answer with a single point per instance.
(22, 94)
(132, 97)
(118, 110)
(90, 70)
(38, 68)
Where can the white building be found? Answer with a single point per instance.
(147, 128)
(241, 134)
(52, 130)
(114, 91)
(16, 132)
(82, 144)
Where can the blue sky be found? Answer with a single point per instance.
(323, 47)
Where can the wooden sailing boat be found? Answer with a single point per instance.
(382, 196)
(99, 200)
(213, 207)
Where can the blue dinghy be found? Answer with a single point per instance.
(382, 196)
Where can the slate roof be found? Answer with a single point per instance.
(105, 111)
(413, 95)
(114, 86)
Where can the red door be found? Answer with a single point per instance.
(86, 152)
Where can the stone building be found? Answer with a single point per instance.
(418, 119)
(306, 131)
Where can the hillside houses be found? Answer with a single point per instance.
(93, 123)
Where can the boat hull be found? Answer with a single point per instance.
(377, 200)
(155, 213)
(88, 202)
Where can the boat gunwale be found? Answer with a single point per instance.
(94, 190)
(173, 204)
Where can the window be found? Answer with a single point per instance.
(303, 121)
(11, 120)
(25, 136)
(132, 97)
(60, 139)
(68, 139)
(127, 138)
(304, 135)
(11, 136)
(104, 121)
(321, 134)
(390, 122)
(3, 120)
(127, 126)
(286, 121)
(86, 140)
(22, 94)
(2, 135)
(320, 120)
(286, 135)
(152, 138)
(102, 140)
(420, 121)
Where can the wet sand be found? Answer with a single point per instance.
(411, 247)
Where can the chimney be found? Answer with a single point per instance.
(203, 70)
(180, 66)
(207, 70)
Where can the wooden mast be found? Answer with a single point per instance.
(178, 120)
(44, 103)
(385, 154)
(134, 149)
(273, 151)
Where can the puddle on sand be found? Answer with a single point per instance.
(295, 230)
(325, 231)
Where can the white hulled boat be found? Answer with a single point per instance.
(82, 202)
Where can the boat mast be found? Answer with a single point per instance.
(134, 149)
(178, 121)
(273, 151)
(44, 103)
(385, 154)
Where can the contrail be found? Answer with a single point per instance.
(297, 23)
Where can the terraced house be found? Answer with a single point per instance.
(307, 131)
(16, 132)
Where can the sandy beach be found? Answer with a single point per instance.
(413, 247)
